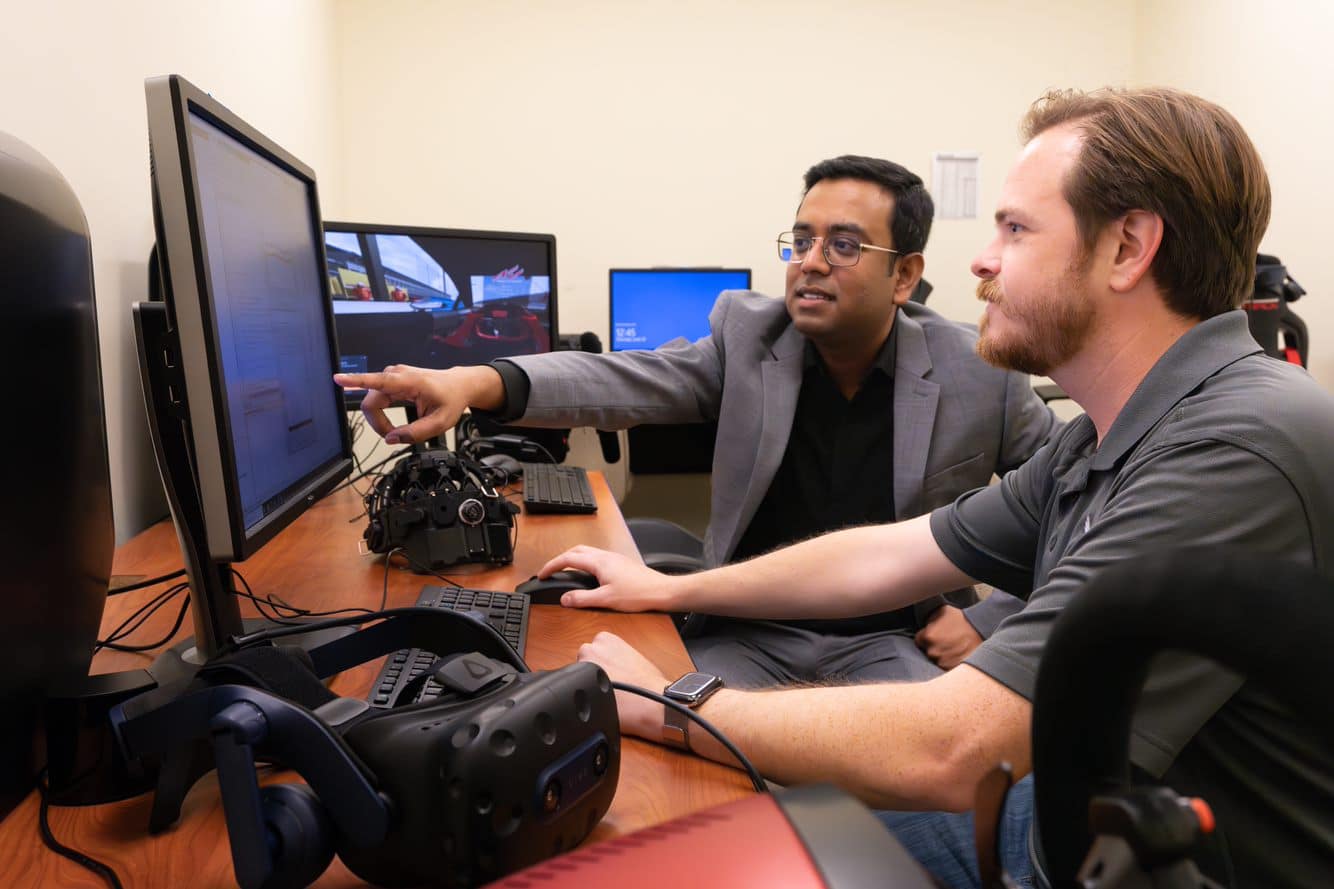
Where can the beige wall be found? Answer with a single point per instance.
(73, 74)
(677, 133)
(1271, 65)
(640, 133)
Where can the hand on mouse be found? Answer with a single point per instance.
(627, 584)
(639, 716)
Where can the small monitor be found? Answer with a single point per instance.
(238, 366)
(652, 306)
(438, 298)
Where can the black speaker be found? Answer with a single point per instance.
(55, 483)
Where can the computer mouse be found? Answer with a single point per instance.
(548, 590)
(505, 463)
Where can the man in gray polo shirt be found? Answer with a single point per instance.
(1125, 239)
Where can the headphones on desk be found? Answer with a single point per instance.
(504, 769)
(440, 508)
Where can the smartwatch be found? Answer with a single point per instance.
(690, 690)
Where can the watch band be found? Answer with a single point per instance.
(675, 728)
(691, 690)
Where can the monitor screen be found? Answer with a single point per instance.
(438, 297)
(652, 306)
(238, 240)
(274, 364)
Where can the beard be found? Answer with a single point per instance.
(1046, 330)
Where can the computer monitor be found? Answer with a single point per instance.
(238, 365)
(435, 297)
(652, 306)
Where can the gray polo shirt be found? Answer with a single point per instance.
(1220, 444)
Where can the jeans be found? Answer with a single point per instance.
(943, 841)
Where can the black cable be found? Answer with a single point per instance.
(138, 618)
(175, 628)
(756, 779)
(539, 446)
(356, 478)
(129, 588)
(105, 871)
(420, 568)
(276, 603)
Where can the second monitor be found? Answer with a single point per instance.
(653, 306)
(438, 298)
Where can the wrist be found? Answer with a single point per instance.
(686, 695)
(677, 592)
(484, 385)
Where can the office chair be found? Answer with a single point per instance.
(1090, 678)
(1275, 326)
(666, 546)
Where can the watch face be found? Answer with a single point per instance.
(692, 685)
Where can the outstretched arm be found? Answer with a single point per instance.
(920, 745)
(441, 397)
(844, 574)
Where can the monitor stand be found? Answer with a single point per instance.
(213, 598)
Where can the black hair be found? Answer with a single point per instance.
(910, 219)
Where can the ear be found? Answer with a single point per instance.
(907, 272)
(1137, 236)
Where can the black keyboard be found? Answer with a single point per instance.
(506, 612)
(551, 487)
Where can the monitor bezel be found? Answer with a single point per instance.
(353, 401)
(658, 270)
(192, 315)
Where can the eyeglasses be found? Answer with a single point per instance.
(838, 250)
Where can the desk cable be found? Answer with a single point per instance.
(103, 870)
(756, 779)
(141, 616)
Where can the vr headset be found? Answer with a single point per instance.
(505, 769)
(440, 509)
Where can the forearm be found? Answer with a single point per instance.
(621, 389)
(903, 746)
(848, 573)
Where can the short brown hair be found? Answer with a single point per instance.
(1181, 157)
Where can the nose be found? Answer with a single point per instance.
(986, 264)
(815, 255)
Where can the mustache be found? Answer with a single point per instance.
(989, 291)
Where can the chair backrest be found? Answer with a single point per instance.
(1096, 660)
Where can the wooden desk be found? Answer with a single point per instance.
(315, 564)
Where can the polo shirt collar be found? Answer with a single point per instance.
(1201, 352)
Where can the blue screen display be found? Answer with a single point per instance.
(652, 306)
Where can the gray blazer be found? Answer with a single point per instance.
(957, 420)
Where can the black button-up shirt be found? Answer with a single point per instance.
(837, 471)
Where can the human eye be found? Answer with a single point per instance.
(845, 247)
(801, 243)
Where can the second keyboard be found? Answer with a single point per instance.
(551, 487)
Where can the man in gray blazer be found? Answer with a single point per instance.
(842, 404)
